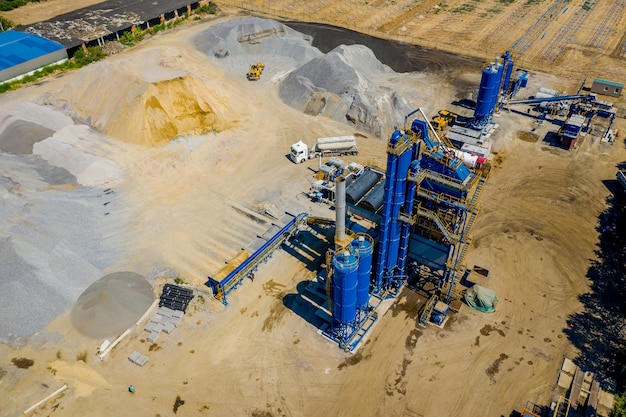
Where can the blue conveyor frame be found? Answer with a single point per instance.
(222, 288)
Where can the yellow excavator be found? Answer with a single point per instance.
(255, 71)
(443, 119)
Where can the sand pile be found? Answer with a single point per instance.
(111, 304)
(143, 98)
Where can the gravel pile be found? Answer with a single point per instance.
(238, 43)
(56, 236)
(111, 304)
(349, 84)
(342, 85)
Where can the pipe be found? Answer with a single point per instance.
(55, 393)
(340, 209)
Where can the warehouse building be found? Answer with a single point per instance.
(606, 87)
(21, 53)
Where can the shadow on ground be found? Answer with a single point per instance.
(598, 331)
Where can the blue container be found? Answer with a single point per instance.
(363, 245)
(489, 85)
(345, 278)
(523, 81)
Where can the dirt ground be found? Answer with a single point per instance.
(262, 356)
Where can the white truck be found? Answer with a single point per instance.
(332, 146)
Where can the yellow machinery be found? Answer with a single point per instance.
(255, 71)
(443, 119)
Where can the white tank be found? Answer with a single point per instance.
(467, 158)
(335, 143)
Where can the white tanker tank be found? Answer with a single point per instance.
(331, 146)
(469, 159)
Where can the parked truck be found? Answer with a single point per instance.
(331, 146)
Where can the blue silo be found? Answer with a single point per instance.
(489, 85)
(344, 291)
(496, 93)
(363, 245)
(390, 182)
(398, 201)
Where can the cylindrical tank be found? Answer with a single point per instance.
(496, 92)
(363, 245)
(383, 241)
(398, 199)
(362, 185)
(489, 83)
(340, 209)
(374, 199)
(335, 143)
(467, 158)
(345, 279)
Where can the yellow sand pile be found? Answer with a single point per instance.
(143, 99)
(231, 265)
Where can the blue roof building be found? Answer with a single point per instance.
(22, 52)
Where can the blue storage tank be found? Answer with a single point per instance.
(489, 85)
(399, 193)
(345, 278)
(496, 93)
(383, 242)
(363, 245)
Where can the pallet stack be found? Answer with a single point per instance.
(175, 297)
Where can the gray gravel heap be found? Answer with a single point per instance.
(342, 85)
(349, 84)
(237, 43)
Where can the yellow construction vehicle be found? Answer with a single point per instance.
(255, 71)
(443, 119)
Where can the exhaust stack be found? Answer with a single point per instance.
(340, 210)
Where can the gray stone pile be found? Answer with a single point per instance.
(349, 84)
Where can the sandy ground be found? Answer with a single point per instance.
(181, 208)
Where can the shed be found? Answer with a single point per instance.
(606, 87)
(22, 52)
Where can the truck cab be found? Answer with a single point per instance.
(299, 152)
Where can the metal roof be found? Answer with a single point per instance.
(102, 19)
(607, 82)
(18, 47)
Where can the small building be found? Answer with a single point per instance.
(606, 87)
(21, 53)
